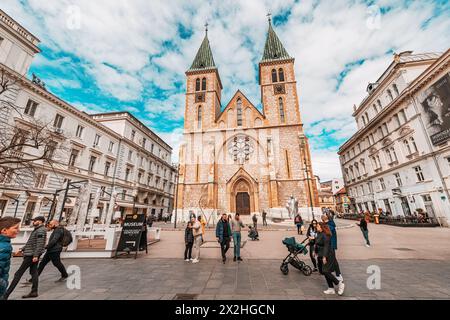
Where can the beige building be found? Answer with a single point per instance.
(239, 159)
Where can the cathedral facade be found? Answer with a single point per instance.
(239, 159)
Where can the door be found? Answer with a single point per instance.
(429, 208)
(405, 206)
(243, 203)
(387, 206)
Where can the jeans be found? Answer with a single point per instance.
(366, 236)
(299, 228)
(188, 250)
(331, 279)
(237, 244)
(264, 221)
(3, 286)
(27, 263)
(224, 246)
(55, 258)
(197, 244)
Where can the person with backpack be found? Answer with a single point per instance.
(32, 251)
(59, 238)
(299, 223)
(255, 221)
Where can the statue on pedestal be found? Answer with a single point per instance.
(292, 206)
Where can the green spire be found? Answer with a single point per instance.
(273, 50)
(204, 58)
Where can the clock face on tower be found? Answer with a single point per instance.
(240, 148)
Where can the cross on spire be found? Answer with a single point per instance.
(269, 17)
(206, 27)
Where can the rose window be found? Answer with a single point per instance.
(241, 148)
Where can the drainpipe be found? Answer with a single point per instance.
(430, 146)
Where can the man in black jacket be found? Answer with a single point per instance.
(31, 252)
(54, 249)
(365, 231)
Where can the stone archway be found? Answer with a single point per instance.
(243, 193)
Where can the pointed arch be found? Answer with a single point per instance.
(197, 84)
(199, 117)
(281, 75)
(204, 84)
(274, 75)
(239, 112)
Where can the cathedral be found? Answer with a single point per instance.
(238, 159)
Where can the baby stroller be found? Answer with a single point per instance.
(295, 249)
(253, 234)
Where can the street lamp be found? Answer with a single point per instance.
(176, 196)
(303, 147)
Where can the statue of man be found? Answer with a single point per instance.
(292, 206)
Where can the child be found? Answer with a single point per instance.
(189, 240)
(9, 228)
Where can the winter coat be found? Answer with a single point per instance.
(55, 241)
(221, 225)
(324, 249)
(188, 235)
(5, 258)
(35, 245)
(363, 224)
(332, 227)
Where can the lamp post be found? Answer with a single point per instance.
(176, 196)
(303, 147)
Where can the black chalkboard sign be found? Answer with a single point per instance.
(133, 229)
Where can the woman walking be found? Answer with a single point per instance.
(311, 234)
(327, 259)
(189, 241)
(299, 223)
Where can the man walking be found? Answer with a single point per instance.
(54, 249)
(223, 235)
(264, 216)
(236, 228)
(363, 226)
(31, 252)
(197, 232)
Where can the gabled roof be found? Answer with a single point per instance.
(274, 49)
(204, 58)
(238, 92)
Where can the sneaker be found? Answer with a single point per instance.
(239, 259)
(187, 260)
(195, 261)
(62, 279)
(367, 245)
(341, 287)
(315, 270)
(234, 259)
(30, 295)
(224, 259)
(330, 291)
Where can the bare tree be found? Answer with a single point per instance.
(28, 146)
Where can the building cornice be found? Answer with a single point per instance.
(19, 32)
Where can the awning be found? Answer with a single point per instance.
(130, 205)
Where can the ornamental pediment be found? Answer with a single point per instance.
(405, 130)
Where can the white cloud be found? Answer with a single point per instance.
(132, 49)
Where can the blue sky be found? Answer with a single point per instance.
(131, 55)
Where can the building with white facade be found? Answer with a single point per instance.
(399, 159)
(122, 164)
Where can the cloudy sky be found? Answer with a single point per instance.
(107, 55)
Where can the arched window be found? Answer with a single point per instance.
(274, 75)
(413, 142)
(367, 117)
(281, 75)
(408, 147)
(197, 84)
(199, 117)
(204, 84)
(395, 89)
(281, 106)
(390, 94)
(375, 108)
(379, 105)
(239, 112)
